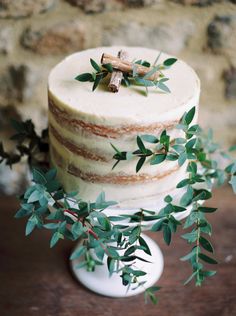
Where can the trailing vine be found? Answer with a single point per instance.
(46, 204)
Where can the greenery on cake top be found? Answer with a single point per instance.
(131, 78)
(46, 205)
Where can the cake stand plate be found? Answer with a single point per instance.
(101, 283)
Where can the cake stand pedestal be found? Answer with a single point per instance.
(102, 283)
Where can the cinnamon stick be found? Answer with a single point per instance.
(127, 67)
(117, 75)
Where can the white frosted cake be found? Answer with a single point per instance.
(83, 123)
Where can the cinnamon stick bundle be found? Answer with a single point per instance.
(117, 75)
(127, 67)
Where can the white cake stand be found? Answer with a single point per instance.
(100, 282)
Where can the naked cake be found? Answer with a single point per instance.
(83, 124)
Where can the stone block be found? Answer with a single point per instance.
(170, 38)
(24, 8)
(221, 38)
(17, 84)
(6, 43)
(230, 83)
(90, 6)
(62, 38)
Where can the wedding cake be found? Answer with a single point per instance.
(83, 124)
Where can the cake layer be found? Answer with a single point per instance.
(97, 147)
(131, 194)
(128, 107)
(74, 124)
(104, 169)
(83, 124)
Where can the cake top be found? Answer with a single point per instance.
(130, 103)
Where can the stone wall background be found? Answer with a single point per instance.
(35, 35)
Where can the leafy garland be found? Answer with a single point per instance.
(47, 205)
(102, 71)
(28, 144)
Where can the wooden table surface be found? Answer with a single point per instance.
(35, 280)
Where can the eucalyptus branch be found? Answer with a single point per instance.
(27, 144)
(47, 205)
(66, 215)
(130, 77)
(195, 146)
(198, 149)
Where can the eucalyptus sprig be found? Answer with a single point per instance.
(101, 71)
(27, 144)
(130, 78)
(46, 204)
(196, 149)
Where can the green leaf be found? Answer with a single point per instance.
(34, 196)
(191, 237)
(187, 197)
(208, 273)
(116, 150)
(111, 265)
(202, 194)
(104, 222)
(167, 234)
(150, 293)
(192, 218)
(150, 138)
(32, 222)
(189, 116)
(143, 243)
(179, 148)
(190, 255)
(206, 229)
(55, 237)
(95, 65)
(205, 209)
(51, 225)
(157, 226)
(168, 199)
(206, 244)
(182, 183)
(232, 148)
(169, 62)
(25, 210)
(134, 235)
(156, 159)
(151, 72)
(140, 163)
(51, 174)
(108, 67)
(207, 259)
(144, 82)
(172, 157)
(192, 167)
(182, 158)
(190, 143)
(130, 250)
(191, 277)
(141, 144)
(78, 252)
(77, 229)
(178, 209)
(233, 183)
(84, 77)
(39, 177)
(97, 81)
(163, 87)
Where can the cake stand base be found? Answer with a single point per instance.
(100, 282)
